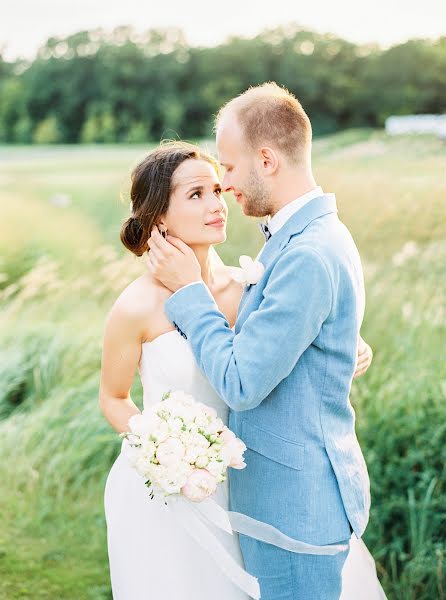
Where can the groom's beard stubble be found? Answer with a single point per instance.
(257, 197)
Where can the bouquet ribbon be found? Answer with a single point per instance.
(195, 517)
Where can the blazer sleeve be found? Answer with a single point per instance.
(244, 368)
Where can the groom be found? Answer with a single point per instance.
(286, 371)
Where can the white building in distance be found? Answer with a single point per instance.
(418, 124)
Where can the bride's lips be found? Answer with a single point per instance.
(218, 223)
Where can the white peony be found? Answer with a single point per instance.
(208, 410)
(170, 452)
(143, 423)
(200, 485)
(232, 454)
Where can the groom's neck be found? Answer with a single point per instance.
(290, 185)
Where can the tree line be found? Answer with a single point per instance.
(123, 86)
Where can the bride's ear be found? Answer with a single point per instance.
(162, 229)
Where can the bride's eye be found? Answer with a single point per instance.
(195, 194)
(218, 191)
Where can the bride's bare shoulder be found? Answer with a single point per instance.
(140, 306)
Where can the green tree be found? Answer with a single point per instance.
(47, 132)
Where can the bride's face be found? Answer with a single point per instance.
(197, 211)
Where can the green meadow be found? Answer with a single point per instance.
(61, 268)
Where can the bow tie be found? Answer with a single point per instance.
(266, 232)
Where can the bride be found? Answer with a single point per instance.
(151, 555)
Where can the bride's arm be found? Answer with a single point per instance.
(365, 356)
(121, 352)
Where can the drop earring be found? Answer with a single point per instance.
(163, 230)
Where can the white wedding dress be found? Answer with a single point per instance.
(151, 555)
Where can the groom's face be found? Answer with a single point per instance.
(241, 171)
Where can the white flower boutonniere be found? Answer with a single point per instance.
(251, 271)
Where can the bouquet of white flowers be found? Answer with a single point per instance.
(182, 447)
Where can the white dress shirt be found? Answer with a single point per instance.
(281, 217)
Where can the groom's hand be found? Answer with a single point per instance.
(172, 262)
(365, 356)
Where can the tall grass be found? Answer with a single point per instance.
(61, 269)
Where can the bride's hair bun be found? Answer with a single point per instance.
(133, 236)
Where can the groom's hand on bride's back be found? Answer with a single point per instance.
(172, 262)
(365, 357)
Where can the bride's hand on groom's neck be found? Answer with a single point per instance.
(172, 262)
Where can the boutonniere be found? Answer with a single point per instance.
(251, 271)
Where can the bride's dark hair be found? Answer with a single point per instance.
(151, 190)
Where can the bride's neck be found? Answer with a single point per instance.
(204, 257)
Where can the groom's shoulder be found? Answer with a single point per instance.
(320, 248)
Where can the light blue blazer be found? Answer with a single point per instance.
(286, 374)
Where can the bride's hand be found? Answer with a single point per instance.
(172, 262)
(365, 356)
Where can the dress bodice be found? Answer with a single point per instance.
(167, 364)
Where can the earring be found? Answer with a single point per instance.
(163, 230)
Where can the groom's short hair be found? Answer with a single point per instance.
(269, 113)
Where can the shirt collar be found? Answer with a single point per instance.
(281, 217)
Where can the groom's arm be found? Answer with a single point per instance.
(246, 367)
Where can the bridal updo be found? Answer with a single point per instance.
(151, 190)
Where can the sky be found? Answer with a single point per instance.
(27, 24)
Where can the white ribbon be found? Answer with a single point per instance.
(192, 516)
(269, 534)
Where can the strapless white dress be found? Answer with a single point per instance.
(151, 556)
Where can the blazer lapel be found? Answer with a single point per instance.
(315, 209)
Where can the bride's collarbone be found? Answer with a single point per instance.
(226, 294)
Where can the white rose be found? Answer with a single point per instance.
(186, 438)
(201, 461)
(148, 448)
(192, 453)
(199, 440)
(143, 467)
(170, 452)
(161, 432)
(215, 468)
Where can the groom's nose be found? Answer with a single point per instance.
(227, 187)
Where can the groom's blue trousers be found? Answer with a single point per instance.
(285, 575)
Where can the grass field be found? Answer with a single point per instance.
(61, 268)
